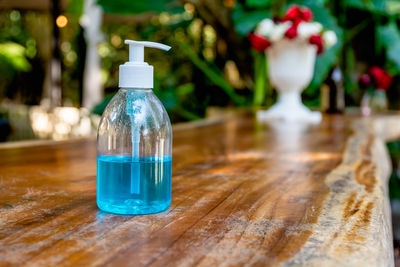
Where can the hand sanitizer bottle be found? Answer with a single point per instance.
(134, 142)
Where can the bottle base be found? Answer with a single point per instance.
(133, 207)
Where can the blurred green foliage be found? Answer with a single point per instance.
(389, 39)
(368, 34)
(137, 7)
(12, 58)
(211, 73)
(21, 73)
(173, 71)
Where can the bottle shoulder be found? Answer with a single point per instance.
(140, 108)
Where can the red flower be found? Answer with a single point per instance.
(292, 13)
(296, 22)
(297, 13)
(306, 14)
(364, 80)
(381, 78)
(291, 33)
(317, 40)
(258, 42)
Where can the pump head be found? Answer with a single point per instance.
(136, 73)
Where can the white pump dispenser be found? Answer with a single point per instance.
(136, 73)
(134, 142)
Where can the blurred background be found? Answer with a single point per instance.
(59, 59)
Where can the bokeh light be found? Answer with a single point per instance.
(61, 21)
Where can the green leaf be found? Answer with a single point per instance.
(185, 89)
(350, 59)
(168, 98)
(258, 3)
(186, 114)
(308, 2)
(260, 79)
(389, 38)
(12, 55)
(394, 186)
(245, 21)
(211, 73)
(393, 7)
(75, 7)
(323, 16)
(138, 6)
(373, 6)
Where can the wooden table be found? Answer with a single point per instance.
(243, 193)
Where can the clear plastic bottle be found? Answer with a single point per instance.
(134, 146)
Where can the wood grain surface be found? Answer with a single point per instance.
(243, 193)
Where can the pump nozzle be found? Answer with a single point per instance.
(136, 72)
(136, 49)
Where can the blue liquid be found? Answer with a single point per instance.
(133, 186)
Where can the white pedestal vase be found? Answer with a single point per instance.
(290, 69)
